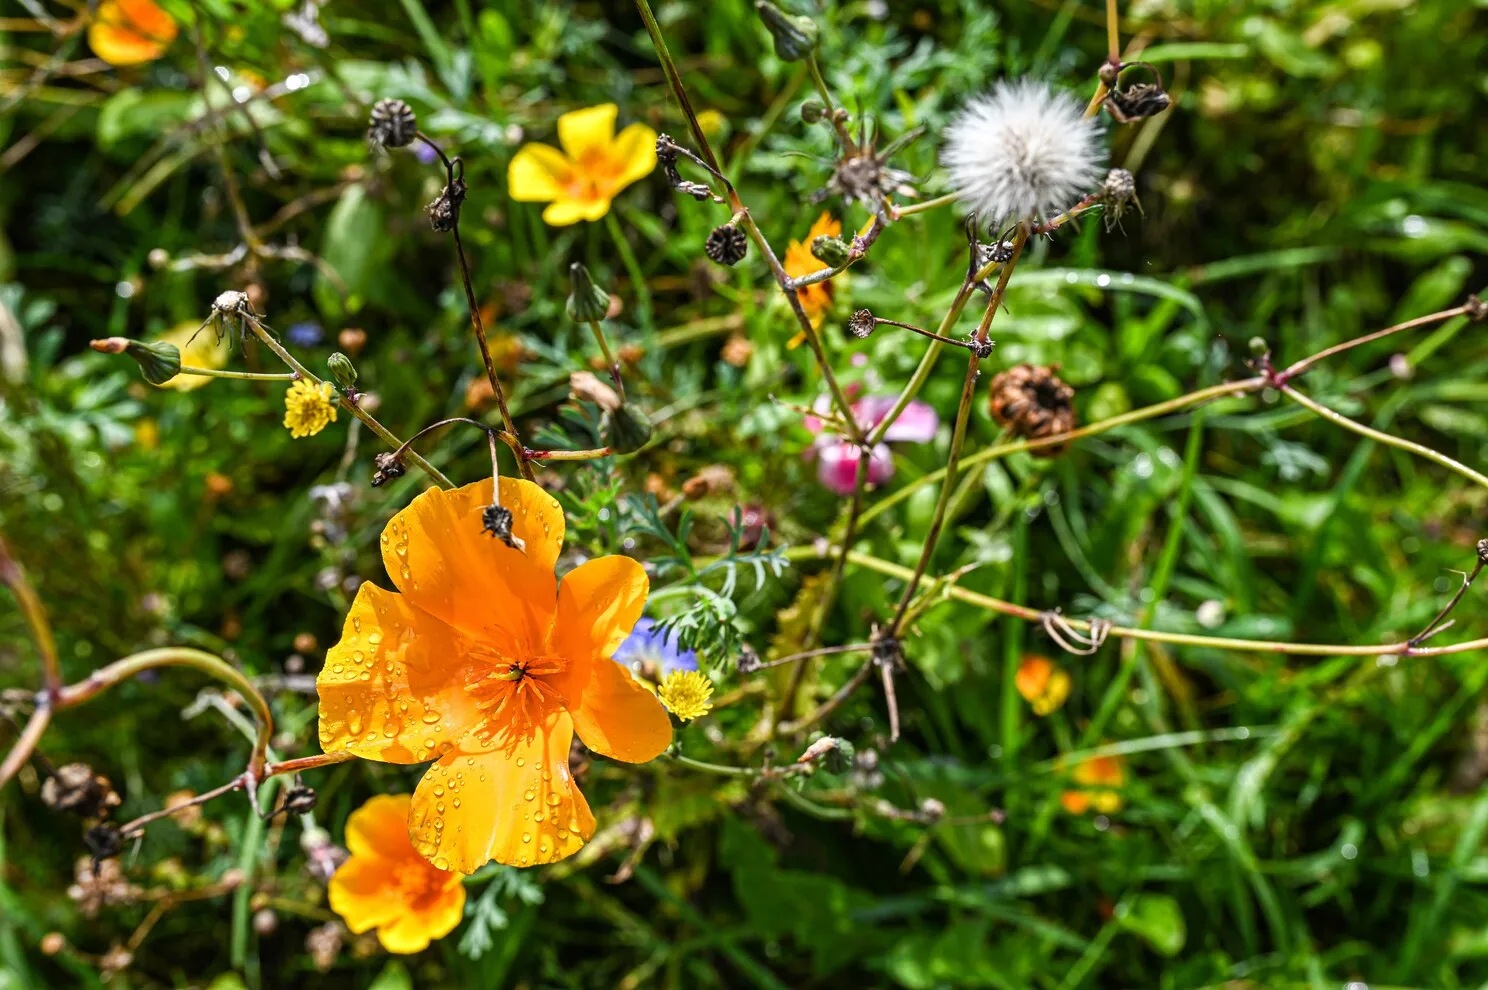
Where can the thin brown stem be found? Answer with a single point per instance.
(1435, 625)
(610, 362)
(303, 763)
(958, 436)
(821, 651)
(26, 742)
(833, 703)
(1298, 367)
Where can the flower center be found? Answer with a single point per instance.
(512, 695)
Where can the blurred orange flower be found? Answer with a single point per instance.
(387, 885)
(487, 664)
(1098, 777)
(595, 164)
(816, 299)
(1044, 685)
(128, 32)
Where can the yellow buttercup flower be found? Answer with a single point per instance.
(579, 182)
(198, 350)
(685, 694)
(388, 885)
(1042, 684)
(1097, 778)
(308, 408)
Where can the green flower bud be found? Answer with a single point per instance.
(587, 303)
(812, 111)
(1258, 347)
(840, 758)
(832, 250)
(342, 369)
(626, 429)
(795, 36)
(159, 362)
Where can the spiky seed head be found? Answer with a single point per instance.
(727, 245)
(392, 124)
(1023, 150)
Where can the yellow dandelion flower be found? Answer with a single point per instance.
(308, 408)
(685, 694)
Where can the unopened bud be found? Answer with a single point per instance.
(300, 800)
(342, 369)
(1483, 551)
(158, 361)
(1258, 347)
(627, 429)
(795, 36)
(587, 302)
(834, 251)
(812, 111)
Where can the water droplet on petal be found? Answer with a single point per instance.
(526, 836)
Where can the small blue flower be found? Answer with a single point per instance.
(304, 334)
(647, 644)
(424, 153)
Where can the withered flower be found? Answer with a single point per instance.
(1031, 402)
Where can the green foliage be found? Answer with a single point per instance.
(1284, 820)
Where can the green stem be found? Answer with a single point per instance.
(921, 374)
(253, 831)
(1400, 443)
(610, 362)
(637, 278)
(254, 376)
(926, 206)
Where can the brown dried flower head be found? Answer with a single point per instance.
(76, 789)
(1031, 402)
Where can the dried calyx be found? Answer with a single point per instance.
(389, 466)
(1118, 193)
(76, 789)
(862, 324)
(1128, 102)
(863, 174)
(444, 212)
(667, 152)
(1031, 402)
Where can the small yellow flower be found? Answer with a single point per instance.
(308, 408)
(685, 694)
(594, 165)
(712, 122)
(198, 350)
(388, 885)
(1042, 684)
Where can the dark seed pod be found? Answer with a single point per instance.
(389, 466)
(300, 800)
(497, 521)
(862, 324)
(444, 212)
(393, 124)
(1031, 402)
(104, 841)
(727, 245)
(76, 789)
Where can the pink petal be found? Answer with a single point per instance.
(838, 467)
(917, 424)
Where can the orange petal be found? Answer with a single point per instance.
(392, 689)
(598, 605)
(379, 828)
(436, 918)
(128, 32)
(439, 556)
(518, 806)
(362, 892)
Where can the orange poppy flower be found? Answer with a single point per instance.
(816, 298)
(1097, 777)
(128, 32)
(387, 885)
(488, 665)
(1043, 684)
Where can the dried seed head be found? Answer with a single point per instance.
(497, 521)
(300, 800)
(727, 245)
(1477, 309)
(932, 809)
(444, 212)
(104, 841)
(1031, 402)
(392, 125)
(389, 466)
(748, 660)
(77, 790)
(981, 347)
(1483, 551)
(1118, 192)
(862, 324)
(1135, 101)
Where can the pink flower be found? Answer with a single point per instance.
(839, 460)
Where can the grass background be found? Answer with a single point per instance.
(1288, 821)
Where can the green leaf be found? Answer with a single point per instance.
(1157, 920)
(394, 976)
(354, 245)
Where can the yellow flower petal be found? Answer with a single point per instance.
(633, 155)
(198, 350)
(538, 173)
(582, 133)
(128, 32)
(569, 211)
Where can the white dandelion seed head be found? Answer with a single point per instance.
(1023, 150)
